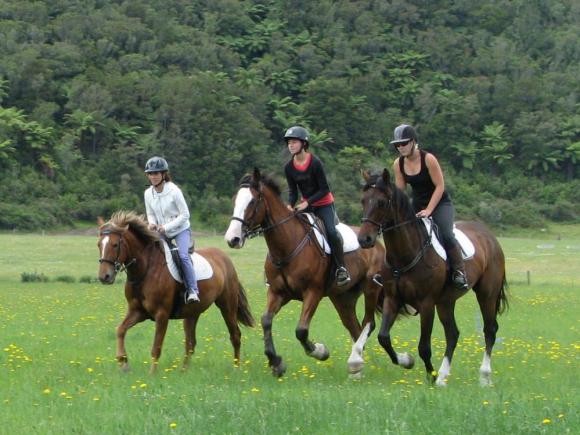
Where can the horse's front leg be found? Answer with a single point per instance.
(447, 318)
(311, 300)
(161, 322)
(273, 305)
(131, 319)
(390, 311)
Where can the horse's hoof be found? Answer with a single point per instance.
(485, 379)
(405, 360)
(124, 367)
(355, 376)
(320, 352)
(279, 370)
(355, 366)
(441, 382)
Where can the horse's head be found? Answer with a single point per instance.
(113, 251)
(378, 209)
(249, 210)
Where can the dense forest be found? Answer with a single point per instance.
(89, 89)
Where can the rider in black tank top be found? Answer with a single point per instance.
(428, 194)
(421, 184)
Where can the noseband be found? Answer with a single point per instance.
(117, 265)
(258, 229)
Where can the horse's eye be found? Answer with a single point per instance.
(382, 203)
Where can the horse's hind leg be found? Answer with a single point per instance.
(189, 326)
(230, 315)
(309, 305)
(447, 318)
(130, 320)
(487, 305)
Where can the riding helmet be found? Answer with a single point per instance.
(404, 133)
(156, 164)
(297, 132)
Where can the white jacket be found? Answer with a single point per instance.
(167, 208)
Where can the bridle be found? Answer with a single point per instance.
(384, 227)
(117, 265)
(259, 229)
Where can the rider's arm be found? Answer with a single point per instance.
(436, 175)
(292, 188)
(399, 179)
(320, 180)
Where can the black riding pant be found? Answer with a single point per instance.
(327, 214)
(443, 216)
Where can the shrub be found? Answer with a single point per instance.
(33, 277)
(65, 278)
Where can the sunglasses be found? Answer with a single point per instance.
(401, 144)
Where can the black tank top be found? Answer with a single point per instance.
(421, 184)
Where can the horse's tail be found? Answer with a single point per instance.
(244, 314)
(502, 303)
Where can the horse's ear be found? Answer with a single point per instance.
(365, 174)
(386, 176)
(100, 221)
(256, 177)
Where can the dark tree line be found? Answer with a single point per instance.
(89, 89)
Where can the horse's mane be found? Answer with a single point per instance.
(267, 180)
(121, 220)
(401, 200)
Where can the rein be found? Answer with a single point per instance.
(117, 265)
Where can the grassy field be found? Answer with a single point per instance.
(58, 373)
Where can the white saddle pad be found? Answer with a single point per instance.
(201, 266)
(349, 238)
(467, 248)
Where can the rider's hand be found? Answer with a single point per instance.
(161, 229)
(423, 214)
(289, 207)
(302, 206)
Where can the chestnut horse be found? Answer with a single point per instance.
(297, 269)
(418, 276)
(125, 242)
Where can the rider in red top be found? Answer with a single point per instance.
(305, 172)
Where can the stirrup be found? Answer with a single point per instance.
(460, 280)
(191, 296)
(342, 276)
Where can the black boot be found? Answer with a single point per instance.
(458, 276)
(342, 275)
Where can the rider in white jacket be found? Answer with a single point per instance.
(167, 212)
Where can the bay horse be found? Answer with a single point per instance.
(296, 268)
(126, 243)
(416, 275)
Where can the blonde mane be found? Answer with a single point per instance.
(122, 220)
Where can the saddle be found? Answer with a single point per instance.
(201, 266)
(467, 247)
(346, 233)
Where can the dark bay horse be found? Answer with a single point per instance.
(297, 269)
(416, 275)
(125, 242)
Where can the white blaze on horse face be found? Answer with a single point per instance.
(104, 243)
(243, 198)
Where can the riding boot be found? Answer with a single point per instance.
(458, 276)
(342, 275)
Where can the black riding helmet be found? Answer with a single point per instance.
(298, 132)
(404, 133)
(156, 164)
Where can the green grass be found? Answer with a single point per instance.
(58, 373)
